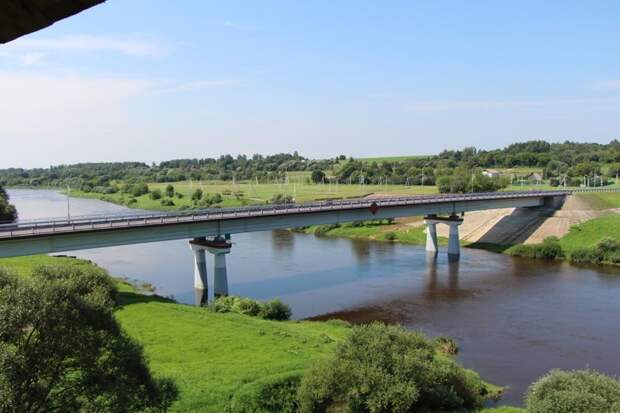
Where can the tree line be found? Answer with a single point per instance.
(567, 163)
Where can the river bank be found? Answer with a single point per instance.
(212, 357)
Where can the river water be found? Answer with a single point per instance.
(514, 319)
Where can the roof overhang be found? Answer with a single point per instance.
(20, 17)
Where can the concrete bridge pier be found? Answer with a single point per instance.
(200, 266)
(454, 247)
(219, 247)
(431, 235)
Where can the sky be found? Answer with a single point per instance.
(151, 80)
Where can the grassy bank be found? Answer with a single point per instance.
(250, 194)
(406, 231)
(211, 356)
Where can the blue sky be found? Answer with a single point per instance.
(154, 80)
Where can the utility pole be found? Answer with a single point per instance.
(68, 203)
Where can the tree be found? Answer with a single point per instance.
(8, 213)
(61, 349)
(169, 191)
(317, 176)
(197, 195)
(381, 369)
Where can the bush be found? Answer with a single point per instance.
(446, 345)
(549, 249)
(582, 255)
(281, 199)
(324, 229)
(390, 236)
(579, 391)
(270, 310)
(197, 195)
(275, 310)
(167, 202)
(169, 191)
(277, 393)
(381, 368)
(155, 194)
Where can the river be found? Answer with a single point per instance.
(514, 319)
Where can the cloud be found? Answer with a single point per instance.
(438, 106)
(126, 45)
(609, 84)
(195, 85)
(233, 25)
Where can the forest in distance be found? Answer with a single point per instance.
(567, 163)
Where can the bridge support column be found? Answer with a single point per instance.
(454, 247)
(220, 274)
(200, 267)
(431, 235)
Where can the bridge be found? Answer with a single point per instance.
(210, 229)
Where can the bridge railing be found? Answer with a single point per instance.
(64, 224)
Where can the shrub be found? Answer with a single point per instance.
(582, 255)
(390, 236)
(281, 199)
(277, 393)
(155, 194)
(178, 195)
(381, 368)
(197, 195)
(270, 310)
(247, 306)
(549, 249)
(167, 202)
(169, 191)
(275, 310)
(446, 345)
(579, 391)
(324, 229)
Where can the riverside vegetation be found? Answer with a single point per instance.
(220, 359)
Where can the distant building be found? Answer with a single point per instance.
(491, 173)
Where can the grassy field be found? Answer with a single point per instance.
(601, 200)
(211, 356)
(256, 193)
(394, 158)
(586, 235)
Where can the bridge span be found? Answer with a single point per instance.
(210, 229)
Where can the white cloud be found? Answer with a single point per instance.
(609, 84)
(233, 25)
(127, 45)
(195, 85)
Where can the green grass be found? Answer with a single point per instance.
(256, 194)
(587, 234)
(402, 233)
(601, 200)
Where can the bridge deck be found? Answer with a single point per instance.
(25, 229)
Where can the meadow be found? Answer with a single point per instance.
(248, 193)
